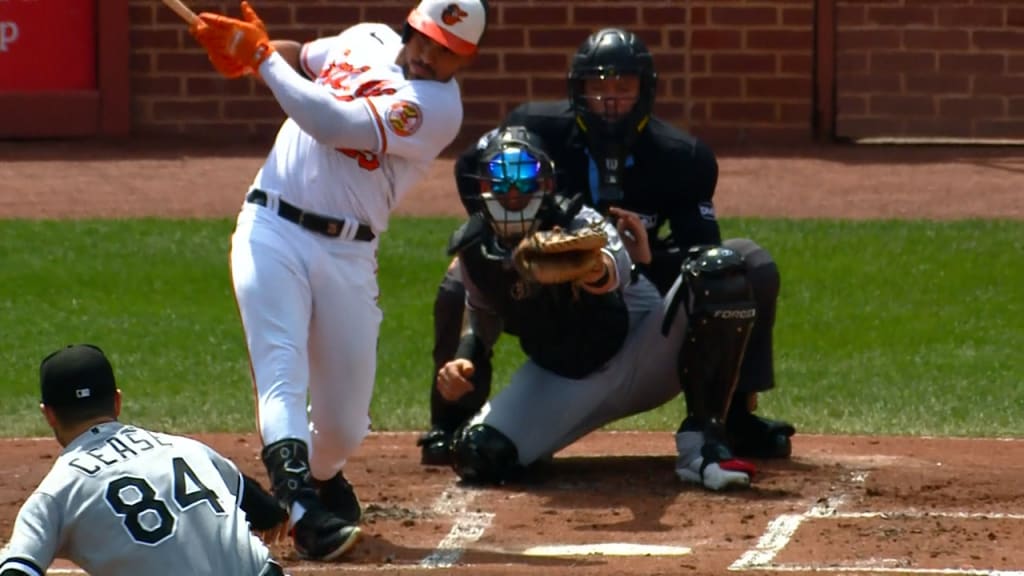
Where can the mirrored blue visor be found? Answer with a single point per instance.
(514, 167)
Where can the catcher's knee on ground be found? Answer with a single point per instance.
(483, 455)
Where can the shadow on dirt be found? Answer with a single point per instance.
(641, 489)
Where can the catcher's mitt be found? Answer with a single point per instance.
(556, 256)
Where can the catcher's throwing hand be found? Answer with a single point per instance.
(633, 233)
(556, 256)
(453, 379)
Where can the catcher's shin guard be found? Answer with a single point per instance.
(719, 304)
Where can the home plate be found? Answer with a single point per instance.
(607, 549)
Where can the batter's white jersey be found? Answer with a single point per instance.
(123, 501)
(414, 119)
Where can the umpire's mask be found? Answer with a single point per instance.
(611, 89)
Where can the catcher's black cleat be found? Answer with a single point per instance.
(751, 436)
(339, 498)
(435, 448)
(320, 535)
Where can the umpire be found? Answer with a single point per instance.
(609, 148)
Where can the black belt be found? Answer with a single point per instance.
(325, 225)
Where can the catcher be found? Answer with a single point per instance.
(601, 343)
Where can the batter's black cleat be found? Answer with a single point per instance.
(339, 498)
(320, 535)
(435, 448)
(751, 436)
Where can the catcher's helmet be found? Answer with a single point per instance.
(608, 53)
(516, 176)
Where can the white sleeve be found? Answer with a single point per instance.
(36, 536)
(313, 56)
(329, 121)
(419, 120)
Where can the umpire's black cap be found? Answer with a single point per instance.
(75, 374)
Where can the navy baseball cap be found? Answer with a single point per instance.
(79, 373)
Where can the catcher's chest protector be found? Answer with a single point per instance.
(569, 334)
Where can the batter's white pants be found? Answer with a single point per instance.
(308, 305)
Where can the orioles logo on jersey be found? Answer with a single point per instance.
(452, 14)
(404, 118)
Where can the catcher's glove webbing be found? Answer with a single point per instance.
(556, 256)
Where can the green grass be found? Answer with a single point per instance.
(884, 327)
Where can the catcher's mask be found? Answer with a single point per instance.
(611, 88)
(516, 176)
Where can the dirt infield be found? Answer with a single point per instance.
(855, 505)
(852, 505)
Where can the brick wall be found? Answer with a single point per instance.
(930, 68)
(745, 77)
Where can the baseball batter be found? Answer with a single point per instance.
(121, 500)
(368, 110)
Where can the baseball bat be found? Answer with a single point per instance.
(181, 10)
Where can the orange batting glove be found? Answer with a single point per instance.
(234, 45)
(228, 67)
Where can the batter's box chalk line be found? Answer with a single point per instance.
(781, 530)
(467, 528)
(470, 526)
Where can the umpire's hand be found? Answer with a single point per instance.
(633, 233)
(453, 379)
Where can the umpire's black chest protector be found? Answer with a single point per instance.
(569, 334)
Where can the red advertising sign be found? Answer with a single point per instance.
(47, 45)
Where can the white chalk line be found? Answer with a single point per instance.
(916, 514)
(781, 530)
(778, 534)
(887, 570)
(467, 529)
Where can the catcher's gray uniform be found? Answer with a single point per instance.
(542, 412)
(121, 500)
